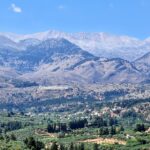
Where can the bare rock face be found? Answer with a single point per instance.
(143, 63)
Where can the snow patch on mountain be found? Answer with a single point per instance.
(99, 44)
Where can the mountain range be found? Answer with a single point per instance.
(52, 57)
(99, 44)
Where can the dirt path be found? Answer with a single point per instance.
(104, 141)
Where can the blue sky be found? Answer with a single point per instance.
(120, 17)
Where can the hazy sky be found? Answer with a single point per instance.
(121, 17)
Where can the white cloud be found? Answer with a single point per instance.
(15, 8)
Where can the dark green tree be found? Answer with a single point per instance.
(54, 146)
(81, 147)
(112, 130)
(13, 137)
(95, 146)
(62, 147)
(71, 147)
(32, 144)
(140, 127)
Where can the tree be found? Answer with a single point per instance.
(1, 137)
(77, 124)
(140, 127)
(54, 146)
(63, 127)
(71, 146)
(119, 129)
(99, 122)
(141, 141)
(95, 146)
(50, 128)
(13, 137)
(81, 147)
(39, 145)
(1, 131)
(7, 138)
(112, 121)
(103, 131)
(112, 130)
(75, 147)
(61, 147)
(31, 143)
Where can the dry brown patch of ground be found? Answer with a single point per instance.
(104, 141)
